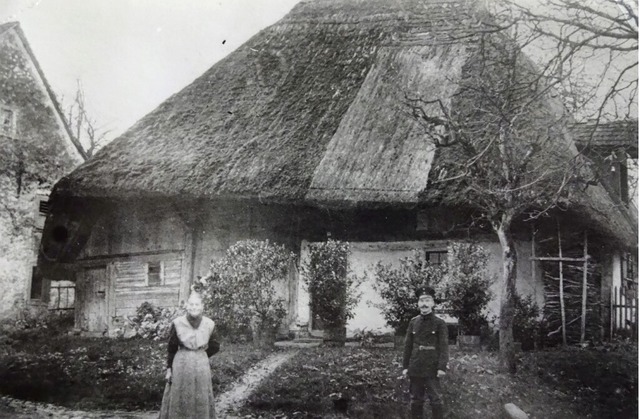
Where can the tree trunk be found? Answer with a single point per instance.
(509, 274)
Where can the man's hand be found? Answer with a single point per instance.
(405, 372)
(441, 373)
(167, 376)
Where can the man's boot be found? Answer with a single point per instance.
(437, 411)
(417, 411)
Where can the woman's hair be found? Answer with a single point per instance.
(195, 294)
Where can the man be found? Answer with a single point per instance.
(426, 354)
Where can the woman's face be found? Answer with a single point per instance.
(194, 306)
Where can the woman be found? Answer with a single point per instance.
(188, 392)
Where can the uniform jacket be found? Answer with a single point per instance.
(426, 346)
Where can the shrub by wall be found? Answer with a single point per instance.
(243, 293)
(398, 286)
(332, 289)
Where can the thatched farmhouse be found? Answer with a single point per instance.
(36, 149)
(299, 135)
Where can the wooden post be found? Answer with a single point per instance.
(585, 265)
(611, 311)
(562, 312)
(533, 257)
(619, 308)
(635, 318)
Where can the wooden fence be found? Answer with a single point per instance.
(624, 313)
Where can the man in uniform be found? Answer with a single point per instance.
(426, 354)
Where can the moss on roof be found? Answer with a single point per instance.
(307, 111)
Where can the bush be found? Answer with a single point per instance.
(243, 291)
(467, 290)
(526, 323)
(151, 322)
(398, 287)
(369, 338)
(332, 290)
(34, 323)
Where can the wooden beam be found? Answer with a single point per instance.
(147, 255)
(561, 259)
(533, 257)
(562, 311)
(583, 324)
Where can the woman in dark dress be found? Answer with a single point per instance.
(188, 392)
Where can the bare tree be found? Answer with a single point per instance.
(594, 45)
(501, 143)
(84, 128)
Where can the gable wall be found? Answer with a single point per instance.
(35, 155)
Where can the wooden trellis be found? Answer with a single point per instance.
(561, 265)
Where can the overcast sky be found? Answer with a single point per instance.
(130, 55)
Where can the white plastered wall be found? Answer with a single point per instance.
(365, 255)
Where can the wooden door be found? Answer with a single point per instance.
(91, 299)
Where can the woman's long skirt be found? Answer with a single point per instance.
(190, 393)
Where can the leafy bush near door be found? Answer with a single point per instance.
(243, 292)
(332, 289)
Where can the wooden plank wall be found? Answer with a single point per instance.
(131, 288)
(132, 235)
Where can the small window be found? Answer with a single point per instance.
(43, 207)
(7, 122)
(630, 267)
(42, 211)
(436, 258)
(62, 295)
(154, 276)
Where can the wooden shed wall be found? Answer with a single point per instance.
(144, 251)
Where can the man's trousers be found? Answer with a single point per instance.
(431, 385)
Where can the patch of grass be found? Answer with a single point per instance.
(603, 380)
(369, 378)
(98, 373)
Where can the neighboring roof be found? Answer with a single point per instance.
(308, 111)
(5, 28)
(608, 135)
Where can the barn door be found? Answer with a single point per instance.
(91, 298)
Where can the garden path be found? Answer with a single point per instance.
(226, 403)
(231, 400)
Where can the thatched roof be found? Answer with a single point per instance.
(308, 111)
(304, 110)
